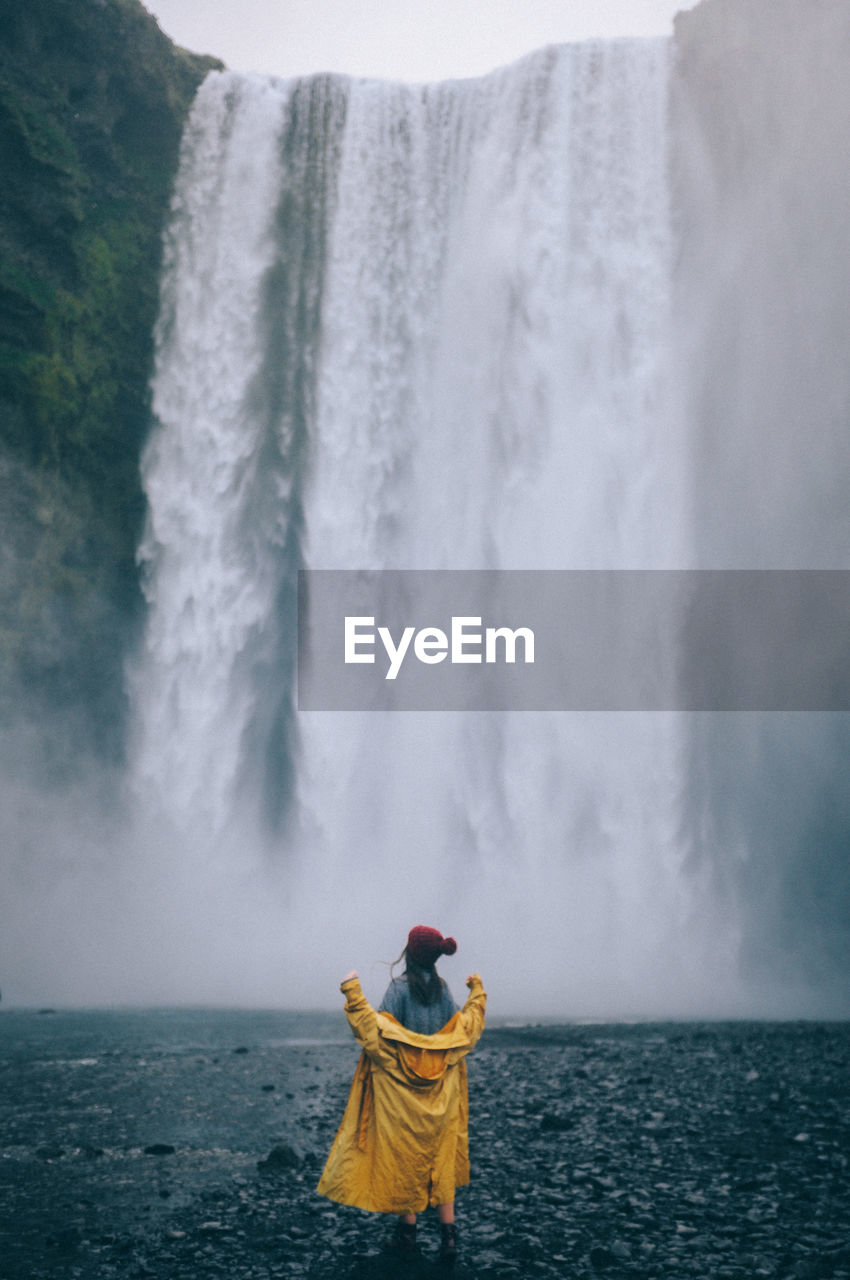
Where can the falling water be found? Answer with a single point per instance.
(421, 327)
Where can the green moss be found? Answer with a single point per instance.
(45, 141)
(16, 282)
(93, 99)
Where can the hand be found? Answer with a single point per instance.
(472, 977)
(351, 975)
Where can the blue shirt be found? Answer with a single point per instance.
(426, 1019)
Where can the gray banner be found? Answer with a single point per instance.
(596, 640)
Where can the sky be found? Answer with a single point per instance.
(398, 39)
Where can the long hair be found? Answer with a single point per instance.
(426, 985)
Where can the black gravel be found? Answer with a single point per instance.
(183, 1146)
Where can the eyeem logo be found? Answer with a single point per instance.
(590, 640)
(432, 645)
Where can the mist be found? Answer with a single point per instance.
(532, 338)
(759, 110)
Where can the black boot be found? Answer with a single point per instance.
(403, 1240)
(448, 1243)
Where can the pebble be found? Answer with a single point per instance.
(281, 1159)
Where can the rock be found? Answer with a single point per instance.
(601, 1258)
(281, 1158)
(66, 1240)
(489, 1258)
(489, 1231)
(555, 1122)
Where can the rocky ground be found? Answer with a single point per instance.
(717, 1151)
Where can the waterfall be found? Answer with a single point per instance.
(421, 327)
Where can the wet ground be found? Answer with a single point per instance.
(138, 1144)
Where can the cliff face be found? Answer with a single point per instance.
(92, 103)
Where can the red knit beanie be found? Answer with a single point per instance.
(425, 946)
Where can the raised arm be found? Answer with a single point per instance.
(360, 1014)
(472, 1012)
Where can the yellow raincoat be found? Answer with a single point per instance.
(403, 1142)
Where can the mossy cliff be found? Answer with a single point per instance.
(93, 98)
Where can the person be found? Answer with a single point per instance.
(403, 1141)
